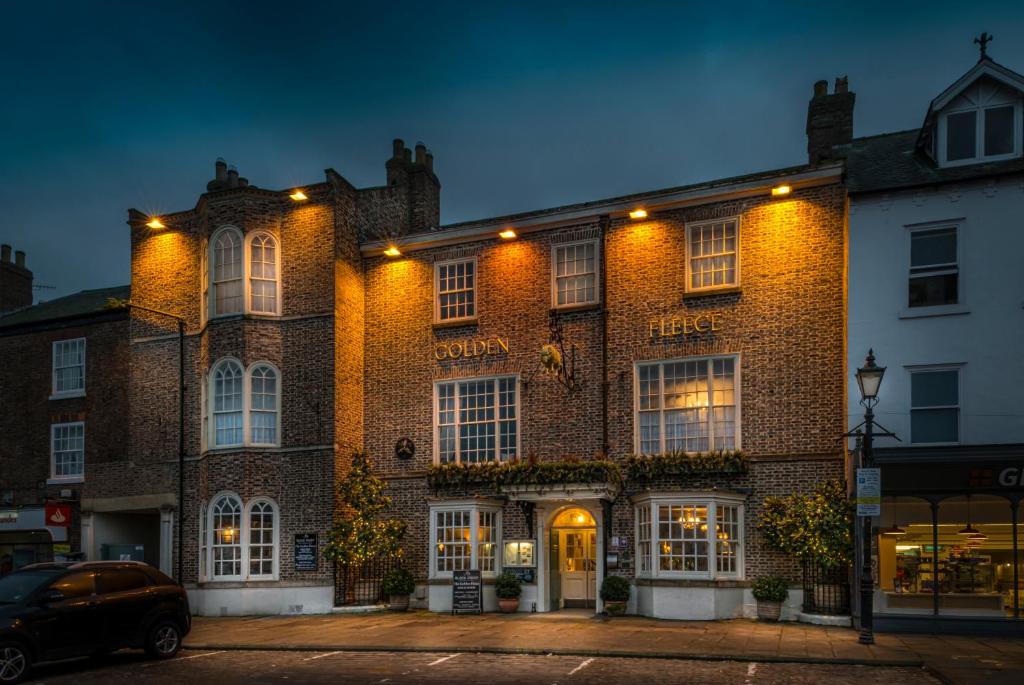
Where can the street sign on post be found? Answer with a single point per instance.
(869, 492)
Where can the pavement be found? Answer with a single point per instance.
(952, 659)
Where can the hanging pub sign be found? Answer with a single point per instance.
(684, 326)
(467, 591)
(306, 552)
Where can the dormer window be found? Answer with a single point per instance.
(982, 124)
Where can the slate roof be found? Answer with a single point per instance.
(892, 161)
(79, 304)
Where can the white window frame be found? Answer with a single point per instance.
(204, 543)
(979, 134)
(497, 416)
(684, 499)
(208, 286)
(437, 291)
(474, 507)
(249, 239)
(212, 531)
(689, 227)
(62, 394)
(213, 312)
(931, 368)
(555, 247)
(209, 428)
(737, 394)
(75, 478)
(958, 226)
(247, 544)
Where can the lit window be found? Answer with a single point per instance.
(263, 274)
(935, 405)
(477, 420)
(983, 123)
(263, 406)
(713, 250)
(245, 410)
(689, 537)
(687, 405)
(455, 285)
(227, 404)
(934, 270)
(69, 367)
(575, 274)
(261, 535)
(226, 528)
(227, 272)
(237, 547)
(67, 451)
(454, 530)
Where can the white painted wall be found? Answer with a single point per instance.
(255, 601)
(987, 336)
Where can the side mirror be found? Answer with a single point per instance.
(50, 596)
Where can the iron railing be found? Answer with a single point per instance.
(361, 584)
(826, 588)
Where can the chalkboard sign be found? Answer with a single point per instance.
(526, 574)
(305, 552)
(467, 591)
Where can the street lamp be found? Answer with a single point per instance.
(869, 379)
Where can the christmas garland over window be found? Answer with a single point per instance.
(678, 463)
(499, 475)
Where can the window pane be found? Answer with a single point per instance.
(928, 248)
(935, 388)
(934, 425)
(961, 136)
(929, 291)
(999, 131)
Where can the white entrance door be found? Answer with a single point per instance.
(578, 567)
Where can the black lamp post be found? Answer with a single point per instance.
(869, 378)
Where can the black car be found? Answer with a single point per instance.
(64, 610)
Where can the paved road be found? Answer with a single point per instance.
(258, 668)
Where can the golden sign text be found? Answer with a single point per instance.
(465, 349)
(670, 327)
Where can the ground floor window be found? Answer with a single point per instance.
(689, 536)
(464, 537)
(239, 541)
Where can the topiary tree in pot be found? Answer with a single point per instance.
(508, 587)
(398, 584)
(770, 592)
(615, 594)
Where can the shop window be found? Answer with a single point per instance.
(453, 530)
(67, 451)
(455, 291)
(245, 406)
(689, 538)
(713, 255)
(234, 546)
(68, 368)
(687, 405)
(477, 420)
(934, 267)
(935, 405)
(574, 274)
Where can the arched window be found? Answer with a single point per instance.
(263, 392)
(227, 403)
(263, 274)
(262, 537)
(227, 272)
(226, 545)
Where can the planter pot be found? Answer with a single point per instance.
(769, 611)
(508, 606)
(398, 602)
(613, 608)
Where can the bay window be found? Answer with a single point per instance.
(237, 546)
(689, 537)
(242, 406)
(464, 536)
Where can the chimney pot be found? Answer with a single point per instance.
(5, 253)
(221, 169)
(820, 88)
(242, 182)
(407, 155)
(421, 152)
(19, 258)
(232, 177)
(842, 85)
(428, 161)
(397, 145)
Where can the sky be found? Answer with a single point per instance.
(107, 106)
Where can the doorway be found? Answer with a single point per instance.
(573, 559)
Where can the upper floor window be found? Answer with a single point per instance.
(245, 273)
(243, 405)
(574, 274)
(983, 123)
(687, 405)
(713, 251)
(455, 291)
(477, 420)
(935, 405)
(934, 267)
(67, 451)
(69, 367)
(239, 542)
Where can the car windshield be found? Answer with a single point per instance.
(19, 585)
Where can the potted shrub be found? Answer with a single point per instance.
(508, 588)
(770, 592)
(615, 593)
(398, 585)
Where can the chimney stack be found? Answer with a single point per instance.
(5, 253)
(829, 120)
(414, 185)
(15, 281)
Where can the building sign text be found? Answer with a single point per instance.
(466, 349)
(673, 326)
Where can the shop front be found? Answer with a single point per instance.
(28, 536)
(949, 539)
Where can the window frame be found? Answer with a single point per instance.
(209, 396)
(688, 227)
(497, 417)
(247, 394)
(247, 259)
(212, 312)
(555, 247)
(275, 544)
(475, 507)
(979, 134)
(438, 321)
(241, 544)
(212, 402)
(934, 368)
(54, 478)
(737, 395)
(958, 226)
(63, 394)
(654, 502)
(208, 285)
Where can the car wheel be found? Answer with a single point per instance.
(15, 662)
(164, 640)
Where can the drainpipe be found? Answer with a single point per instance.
(604, 221)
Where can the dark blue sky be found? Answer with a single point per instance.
(106, 106)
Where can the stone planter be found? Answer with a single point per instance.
(398, 602)
(769, 611)
(508, 606)
(613, 608)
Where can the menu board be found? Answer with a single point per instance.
(467, 591)
(305, 552)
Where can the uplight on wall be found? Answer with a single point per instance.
(298, 195)
(392, 251)
(779, 191)
(154, 222)
(638, 213)
(507, 234)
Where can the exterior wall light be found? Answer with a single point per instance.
(779, 191)
(392, 251)
(154, 222)
(507, 234)
(298, 195)
(638, 213)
